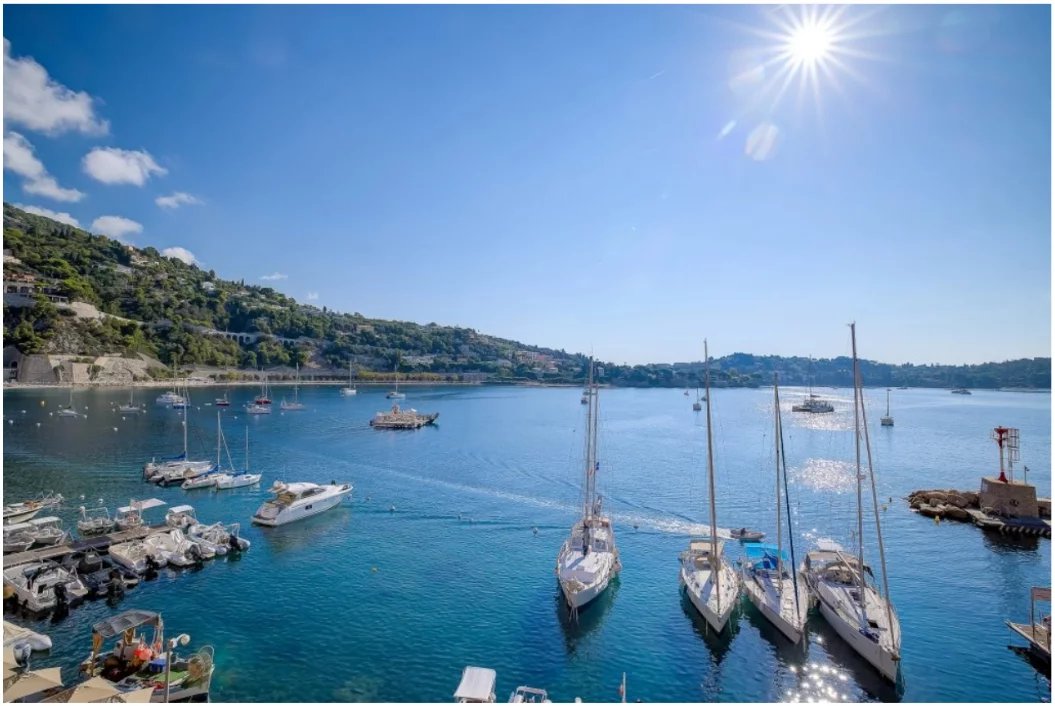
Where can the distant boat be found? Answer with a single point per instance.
(961, 391)
(257, 408)
(131, 407)
(350, 390)
(227, 481)
(68, 411)
(887, 421)
(223, 401)
(813, 404)
(696, 406)
(296, 405)
(263, 397)
(402, 419)
(295, 501)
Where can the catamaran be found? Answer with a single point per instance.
(843, 584)
(769, 578)
(710, 582)
(588, 559)
(813, 404)
(350, 390)
(296, 405)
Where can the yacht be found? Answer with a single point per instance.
(295, 501)
(227, 481)
(170, 398)
(34, 584)
(257, 408)
(178, 468)
(396, 394)
(588, 559)
(887, 421)
(222, 401)
(706, 575)
(813, 404)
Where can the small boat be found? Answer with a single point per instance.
(263, 398)
(131, 515)
(97, 572)
(131, 665)
(94, 521)
(134, 556)
(181, 517)
(18, 637)
(1036, 632)
(17, 537)
(686, 393)
(176, 469)
(131, 407)
(887, 421)
(477, 686)
(295, 501)
(20, 512)
(588, 559)
(813, 403)
(227, 481)
(174, 547)
(349, 391)
(206, 480)
(961, 391)
(68, 410)
(222, 538)
(47, 531)
(296, 405)
(710, 582)
(747, 535)
(257, 408)
(697, 405)
(398, 418)
(222, 401)
(396, 394)
(35, 585)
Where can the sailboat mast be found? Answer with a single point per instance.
(715, 563)
(857, 451)
(589, 468)
(186, 404)
(219, 435)
(776, 447)
(246, 448)
(887, 404)
(787, 514)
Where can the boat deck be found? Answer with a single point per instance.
(101, 541)
(1037, 636)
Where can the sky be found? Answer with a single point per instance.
(621, 180)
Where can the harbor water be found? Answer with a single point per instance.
(444, 557)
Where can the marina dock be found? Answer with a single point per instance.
(102, 541)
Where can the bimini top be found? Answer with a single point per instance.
(477, 685)
(767, 554)
(180, 508)
(111, 627)
(140, 505)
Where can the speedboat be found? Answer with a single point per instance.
(775, 590)
(181, 517)
(747, 535)
(131, 665)
(174, 547)
(47, 531)
(35, 584)
(95, 521)
(222, 538)
(852, 605)
(709, 581)
(134, 555)
(295, 501)
(478, 687)
(131, 515)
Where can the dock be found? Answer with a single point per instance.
(1029, 526)
(100, 542)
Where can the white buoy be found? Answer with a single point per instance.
(534, 530)
(10, 421)
(391, 508)
(115, 428)
(86, 406)
(38, 424)
(51, 414)
(23, 411)
(82, 496)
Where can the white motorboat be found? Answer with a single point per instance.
(769, 577)
(20, 512)
(843, 584)
(47, 531)
(588, 559)
(94, 521)
(477, 686)
(34, 584)
(17, 537)
(130, 665)
(174, 547)
(181, 517)
(256, 408)
(710, 582)
(296, 501)
(131, 516)
(349, 391)
(134, 555)
(222, 538)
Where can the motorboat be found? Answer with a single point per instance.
(134, 556)
(746, 535)
(222, 538)
(35, 585)
(257, 408)
(710, 582)
(588, 559)
(94, 521)
(17, 537)
(47, 531)
(132, 664)
(295, 501)
(131, 515)
(814, 405)
(175, 548)
(477, 686)
(23, 511)
(181, 517)
(98, 572)
(398, 418)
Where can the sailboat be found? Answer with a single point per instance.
(709, 580)
(813, 403)
(696, 406)
(588, 559)
(227, 481)
(887, 421)
(179, 468)
(208, 479)
(843, 584)
(263, 397)
(68, 410)
(131, 407)
(396, 394)
(350, 390)
(296, 405)
(770, 579)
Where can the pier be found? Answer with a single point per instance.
(99, 542)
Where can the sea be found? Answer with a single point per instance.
(444, 556)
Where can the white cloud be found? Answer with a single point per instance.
(33, 99)
(181, 254)
(111, 165)
(176, 200)
(20, 159)
(62, 217)
(274, 276)
(313, 296)
(116, 226)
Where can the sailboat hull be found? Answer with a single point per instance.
(783, 614)
(873, 652)
(700, 589)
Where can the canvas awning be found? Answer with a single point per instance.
(129, 619)
(478, 684)
(140, 505)
(181, 508)
(27, 683)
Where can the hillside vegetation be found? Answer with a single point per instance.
(174, 311)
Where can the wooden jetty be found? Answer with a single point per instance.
(97, 543)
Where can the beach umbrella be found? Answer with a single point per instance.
(95, 689)
(28, 683)
(139, 696)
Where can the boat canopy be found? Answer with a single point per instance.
(766, 554)
(478, 684)
(704, 546)
(10, 529)
(45, 521)
(180, 508)
(111, 627)
(140, 505)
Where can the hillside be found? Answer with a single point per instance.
(84, 294)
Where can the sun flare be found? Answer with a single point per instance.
(809, 43)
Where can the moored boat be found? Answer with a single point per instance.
(42, 585)
(296, 501)
(94, 521)
(398, 418)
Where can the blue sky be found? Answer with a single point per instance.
(621, 179)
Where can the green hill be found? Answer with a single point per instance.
(179, 313)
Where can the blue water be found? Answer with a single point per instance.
(434, 564)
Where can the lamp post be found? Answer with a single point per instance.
(170, 645)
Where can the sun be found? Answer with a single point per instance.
(809, 43)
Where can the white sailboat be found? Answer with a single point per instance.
(710, 582)
(697, 406)
(350, 390)
(844, 585)
(887, 421)
(227, 481)
(769, 579)
(178, 469)
(131, 407)
(588, 559)
(68, 411)
(296, 405)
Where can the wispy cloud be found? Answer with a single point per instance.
(657, 74)
(111, 165)
(37, 102)
(726, 129)
(61, 217)
(313, 296)
(177, 199)
(116, 227)
(180, 254)
(19, 158)
(274, 276)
